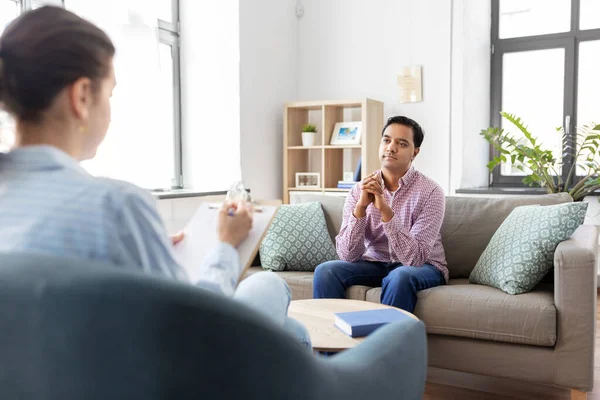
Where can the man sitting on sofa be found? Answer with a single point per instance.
(390, 234)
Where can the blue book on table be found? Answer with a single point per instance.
(362, 323)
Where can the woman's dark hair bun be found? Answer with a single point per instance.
(42, 52)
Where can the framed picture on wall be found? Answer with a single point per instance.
(346, 133)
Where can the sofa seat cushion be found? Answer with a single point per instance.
(300, 282)
(482, 312)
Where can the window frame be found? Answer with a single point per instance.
(570, 42)
(169, 33)
(27, 5)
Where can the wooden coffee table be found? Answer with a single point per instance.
(318, 317)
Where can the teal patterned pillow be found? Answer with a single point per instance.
(521, 251)
(297, 239)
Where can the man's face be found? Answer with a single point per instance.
(397, 148)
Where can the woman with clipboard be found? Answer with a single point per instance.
(56, 80)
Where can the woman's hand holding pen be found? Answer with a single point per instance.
(235, 222)
(233, 229)
(178, 237)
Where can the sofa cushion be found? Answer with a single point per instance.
(482, 312)
(300, 282)
(297, 239)
(521, 251)
(333, 208)
(470, 223)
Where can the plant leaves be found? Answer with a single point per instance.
(541, 165)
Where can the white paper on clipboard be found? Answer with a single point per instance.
(201, 237)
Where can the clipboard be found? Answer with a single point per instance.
(201, 237)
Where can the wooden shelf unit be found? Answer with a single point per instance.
(330, 161)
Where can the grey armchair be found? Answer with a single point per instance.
(74, 329)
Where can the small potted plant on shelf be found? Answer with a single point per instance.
(309, 135)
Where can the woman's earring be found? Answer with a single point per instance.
(83, 129)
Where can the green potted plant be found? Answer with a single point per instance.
(309, 135)
(543, 168)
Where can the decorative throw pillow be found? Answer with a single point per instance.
(297, 239)
(521, 251)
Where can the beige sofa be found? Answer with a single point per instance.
(545, 336)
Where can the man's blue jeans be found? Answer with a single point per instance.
(399, 284)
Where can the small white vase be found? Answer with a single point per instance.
(308, 138)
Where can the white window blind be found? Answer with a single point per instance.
(139, 145)
(210, 67)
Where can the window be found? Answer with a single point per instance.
(545, 57)
(143, 144)
(33, 4)
(170, 82)
(9, 10)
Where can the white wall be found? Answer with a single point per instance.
(268, 50)
(354, 48)
(344, 49)
(232, 109)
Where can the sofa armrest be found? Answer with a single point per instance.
(575, 295)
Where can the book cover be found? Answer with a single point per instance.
(362, 323)
(358, 171)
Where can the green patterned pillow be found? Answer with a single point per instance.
(521, 251)
(297, 240)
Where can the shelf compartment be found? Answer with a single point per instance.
(304, 160)
(333, 114)
(337, 161)
(297, 118)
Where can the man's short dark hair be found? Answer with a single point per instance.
(418, 133)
